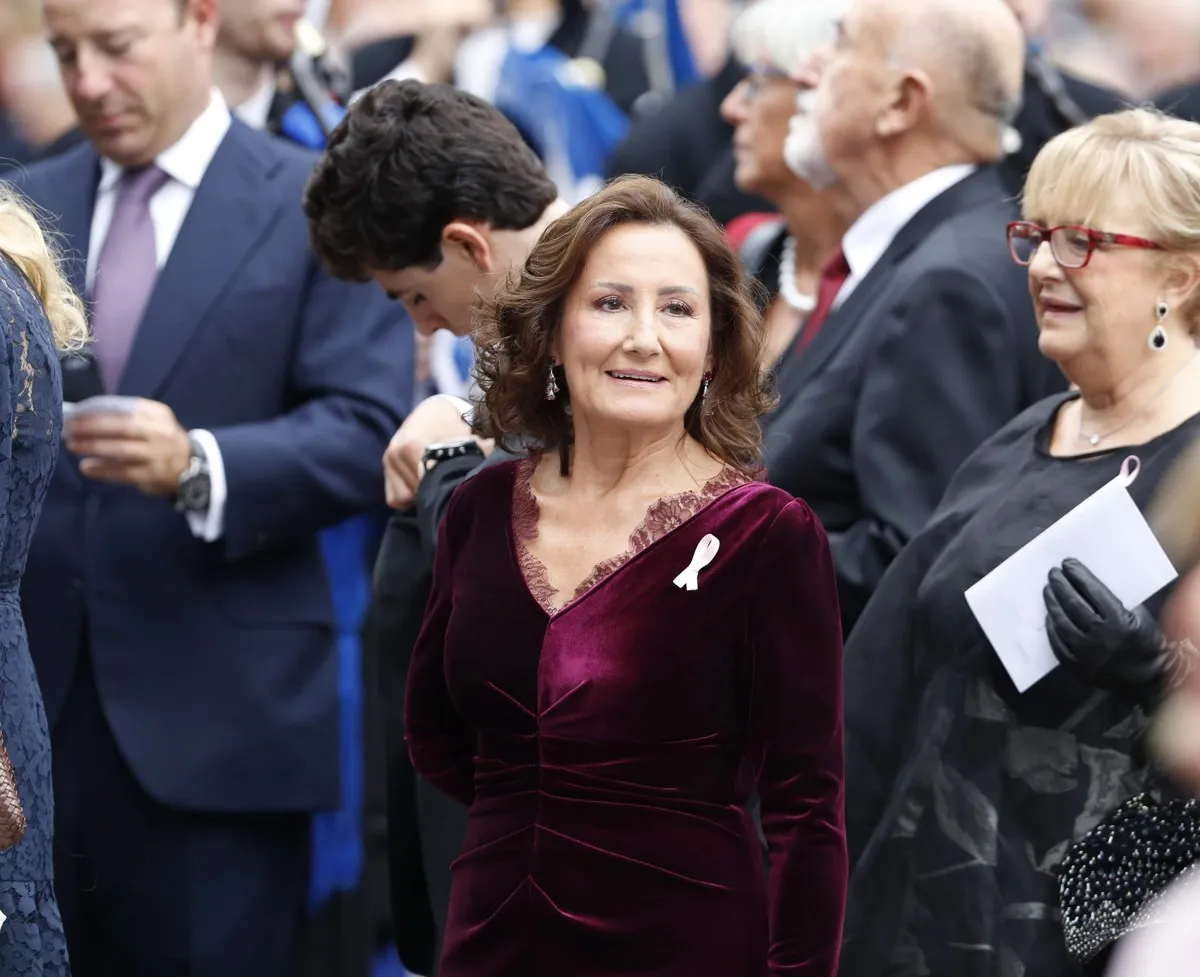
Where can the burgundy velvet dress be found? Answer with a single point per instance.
(607, 749)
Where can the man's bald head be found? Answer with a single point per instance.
(911, 85)
(973, 53)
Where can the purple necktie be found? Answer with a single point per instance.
(125, 272)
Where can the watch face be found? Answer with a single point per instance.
(194, 494)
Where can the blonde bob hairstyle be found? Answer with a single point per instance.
(1139, 155)
(26, 245)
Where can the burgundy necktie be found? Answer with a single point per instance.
(833, 277)
(125, 272)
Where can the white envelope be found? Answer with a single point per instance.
(1108, 534)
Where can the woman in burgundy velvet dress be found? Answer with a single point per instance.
(628, 634)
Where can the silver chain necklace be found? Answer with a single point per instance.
(1095, 439)
(792, 296)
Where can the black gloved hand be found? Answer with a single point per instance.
(1094, 635)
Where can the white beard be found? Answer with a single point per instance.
(803, 151)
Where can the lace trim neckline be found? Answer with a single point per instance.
(661, 517)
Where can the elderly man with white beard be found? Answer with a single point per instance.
(923, 342)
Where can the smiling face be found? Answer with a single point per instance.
(1107, 307)
(635, 331)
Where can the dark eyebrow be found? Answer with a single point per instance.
(665, 290)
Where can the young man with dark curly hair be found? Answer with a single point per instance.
(434, 195)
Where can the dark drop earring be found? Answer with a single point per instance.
(704, 386)
(1158, 335)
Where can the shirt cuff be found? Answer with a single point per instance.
(210, 525)
(464, 408)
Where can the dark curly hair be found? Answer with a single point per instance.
(515, 330)
(407, 160)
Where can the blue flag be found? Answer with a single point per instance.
(678, 50)
(575, 122)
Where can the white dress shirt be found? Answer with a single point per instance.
(185, 163)
(256, 110)
(873, 233)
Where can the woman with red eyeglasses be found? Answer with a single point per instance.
(963, 793)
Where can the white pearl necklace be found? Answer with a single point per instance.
(791, 295)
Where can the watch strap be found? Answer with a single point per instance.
(446, 450)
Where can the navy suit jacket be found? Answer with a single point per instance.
(215, 662)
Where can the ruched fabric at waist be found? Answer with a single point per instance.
(594, 859)
(674, 774)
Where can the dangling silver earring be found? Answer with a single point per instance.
(704, 386)
(551, 386)
(1158, 335)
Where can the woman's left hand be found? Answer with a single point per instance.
(1097, 637)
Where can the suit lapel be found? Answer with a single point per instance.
(73, 206)
(73, 209)
(981, 188)
(838, 327)
(228, 217)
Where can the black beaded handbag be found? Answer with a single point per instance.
(1110, 880)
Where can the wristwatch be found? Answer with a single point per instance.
(195, 484)
(445, 450)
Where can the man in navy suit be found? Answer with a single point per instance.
(178, 611)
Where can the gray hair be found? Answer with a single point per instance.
(973, 69)
(783, 33)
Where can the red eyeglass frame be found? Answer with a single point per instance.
(1094, 238)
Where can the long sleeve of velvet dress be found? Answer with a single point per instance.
(607, 747)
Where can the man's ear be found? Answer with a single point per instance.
(910, 100)
(471, 239)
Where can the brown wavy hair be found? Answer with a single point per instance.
(515, 330)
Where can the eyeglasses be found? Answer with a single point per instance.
(757, 77)
(1071, 245)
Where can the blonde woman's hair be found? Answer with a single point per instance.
(1140, 156)
(783, 33)
(26, 245)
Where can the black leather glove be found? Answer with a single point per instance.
(1093, 634)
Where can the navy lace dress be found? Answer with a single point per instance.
(31, 936)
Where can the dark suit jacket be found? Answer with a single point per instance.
(1041, 119)
(215, 662)
(933, 351)
(1184, 102)
(425, 827)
